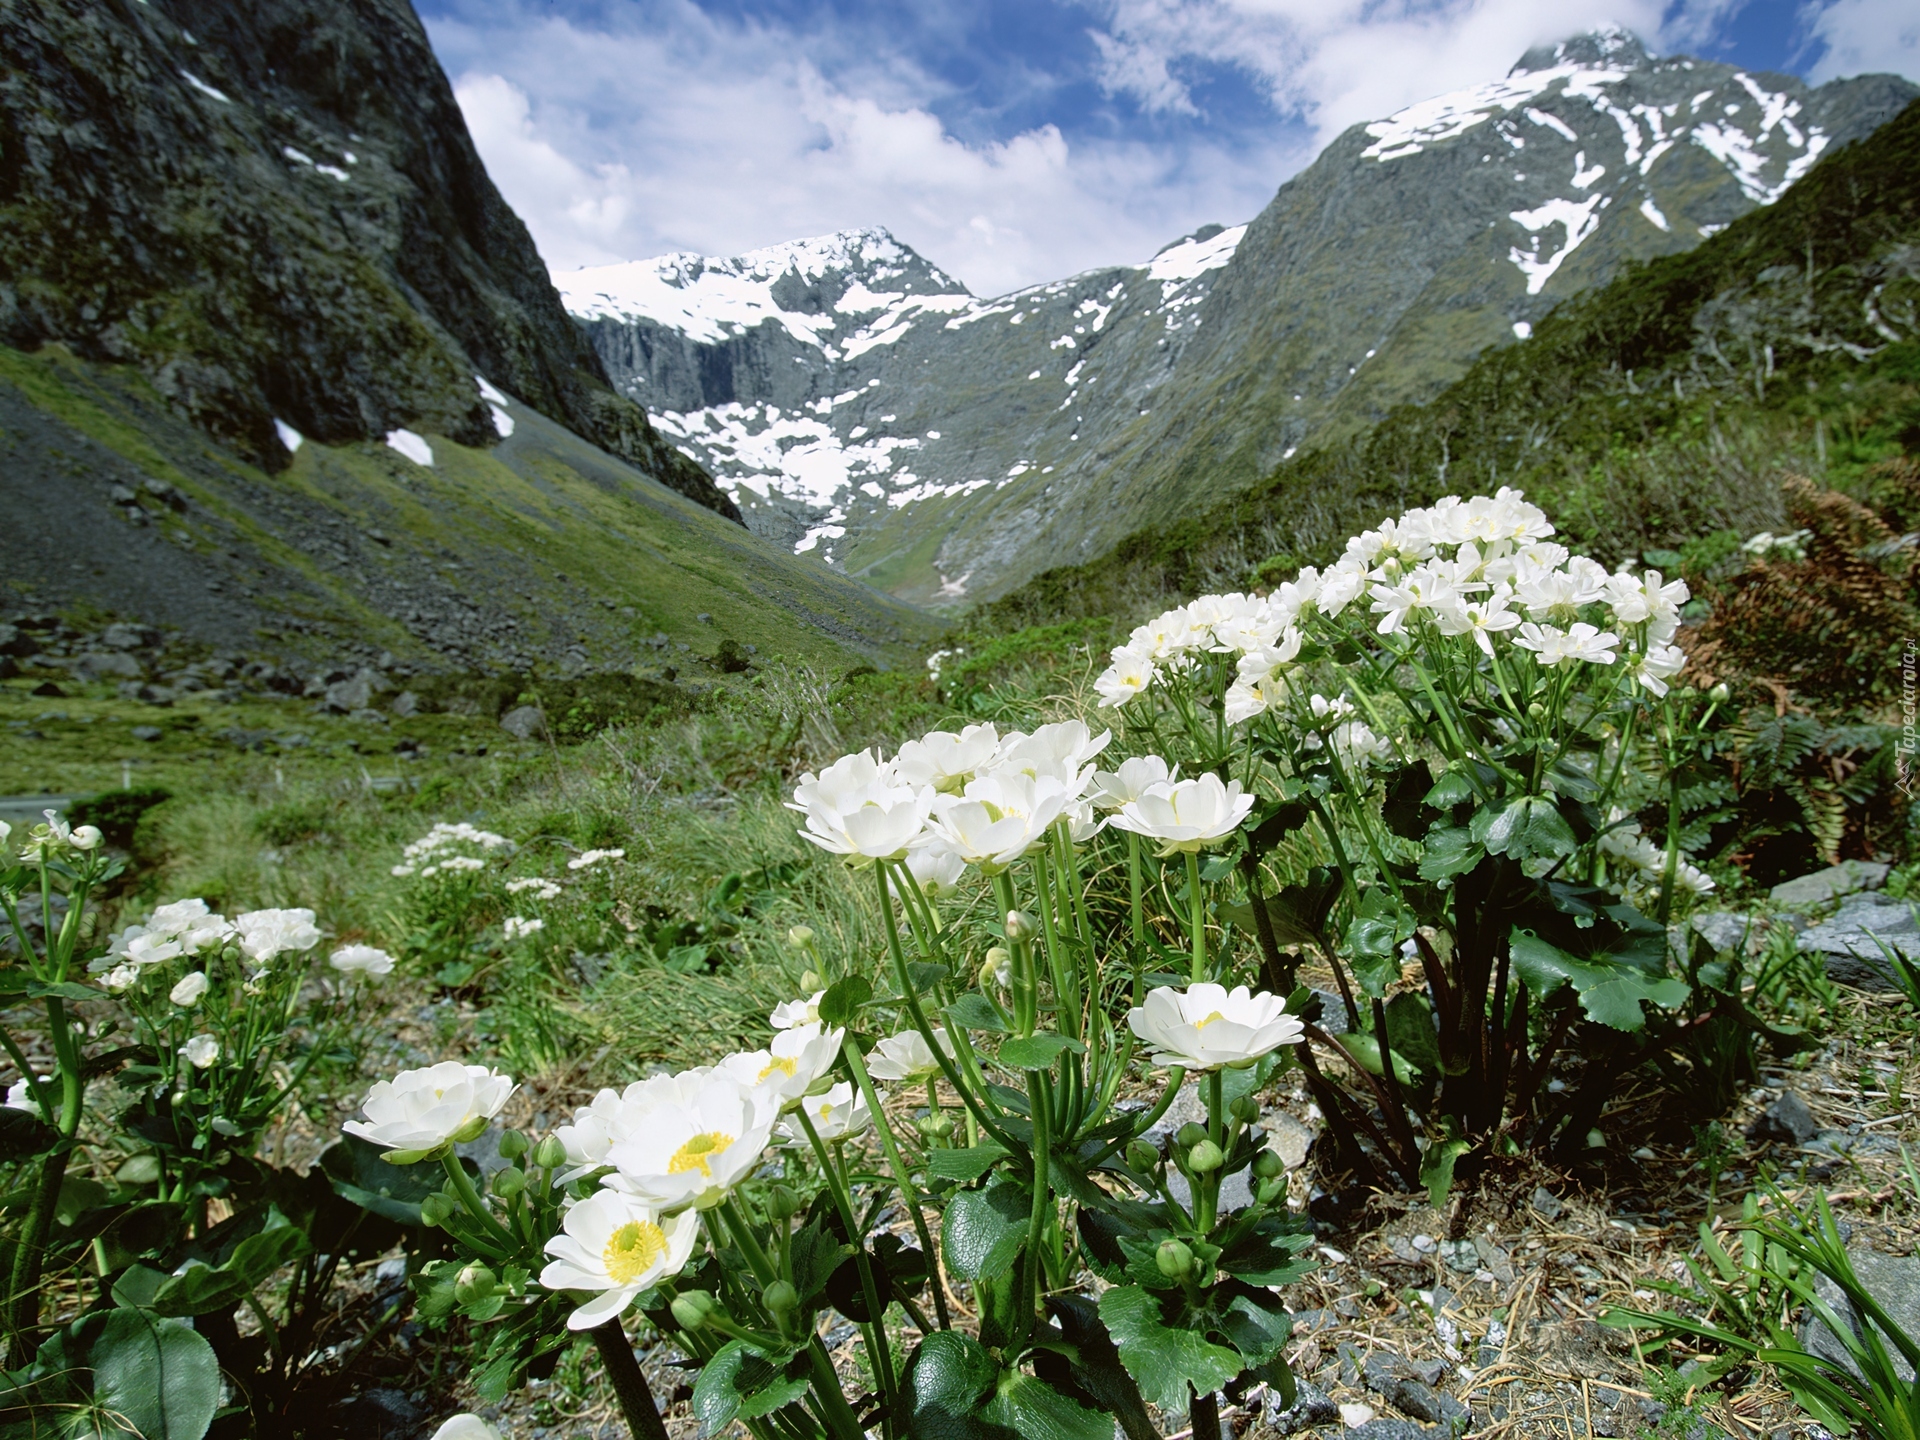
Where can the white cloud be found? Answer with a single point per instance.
(1862, 35)
(694, 135)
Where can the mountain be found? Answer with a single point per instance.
(860, 404)
(1658, 412)
(279, 369)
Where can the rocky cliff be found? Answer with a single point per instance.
(860, 404)
(273, 209)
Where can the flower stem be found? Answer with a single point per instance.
(1197, 922)
(629, 1383)
(901, 1177)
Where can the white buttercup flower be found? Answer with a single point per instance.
(361, 960)
(1001, 817)
(1130, 674)
(789, 1013)
(187, 992)
(20, 1093)
(1061, 751)
(1582, 641)
(85, 837)
(1659, 665)
(1207, 1026)
(201, 1051)
(424, 1109)
(944, 760)
(838, 1114)
(267, 933)
(618, 1246)
(693, 1150)
(465, 1426)
(1186, 815)
(614, 1114)
(937, 868)
(789, 1067)
(589, 858)
(1114, 788)
(122, 977)
(144, 949)
(855, 808)
(907, 1056)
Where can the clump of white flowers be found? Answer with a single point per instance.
(443, 849)
(588, 858)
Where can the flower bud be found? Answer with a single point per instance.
(1720, 693)
(810, 981)
(1246, 1109)
(405, 1157)
(690, 1310)
(474, 1284)
(934, 1127)
(550, 1154)
(509, 1182)
(85, 837)
(800, 936)
(997, 968)
(1021, 926)
(1268, 1164)
(472, 1130)
(436, 1210)
(1174, 1259)
(1190, 1135)
(1142, 1156)
(1205, 1158)
(782, 1203)
(780, 1298)
(1536, 711)
(1270, 1190)
(513, 1144)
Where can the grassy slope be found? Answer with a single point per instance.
(1618, 414)
(500, 525)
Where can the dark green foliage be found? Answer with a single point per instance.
(117, 813)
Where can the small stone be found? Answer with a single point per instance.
(1354, 1413)
(405, 705)
(1786, 1120)
(47, 690)
(1289, 1138)
(98, 664)
(1893, 1281)
(1821, 886)
(524, 723)
(1853, 937)
(1425, 1244)
(1460, 1255)
(1498, 1262)
(1311, 1406)
(148, 733)
(1547, 1203)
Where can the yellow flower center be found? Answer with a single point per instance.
(632, 1250)
(697, 1153)
(1202, 1024)
(779, 1066)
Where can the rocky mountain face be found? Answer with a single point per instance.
(861, 405)
(273, 209)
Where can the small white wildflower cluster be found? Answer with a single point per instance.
(1467, 571)
(586, 859)
(520, 927)
(936, 662)
(1623, 841)
(985, 800)
(51, 838)
(1766, 545)
(438, 851)
(539, 886)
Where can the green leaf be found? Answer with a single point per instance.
(965, 1165)
(1410, 1031)
(1374, 937)
(947, 1381)
(1452, 788)
(1450, 850)
(1027, 1406)
(1272, 1253)
(1163, 1359)
(984, 1229)
(974, 1011)
(137, 1374)
(1530, 827)
(744, 1381)
(1297, 913)
(844, 999)
(359, 1173)
(817, 1254)
(23, 1133)
(1037, 1052)
(1257, 1324)
(925, 974)
(199, 1290)
(1095, 1364)
(1366, 1049)
(1404, 796)
(1610, 991)
(65, 990)
(137, 1286)
(255, 1258)
(1436, 1168)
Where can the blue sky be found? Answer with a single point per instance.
(1010, 141)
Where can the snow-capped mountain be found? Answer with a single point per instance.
(860, 404)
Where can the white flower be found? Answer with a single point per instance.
(614, 1114)
(362, 960)
(618, 1246)
(519, 927)
(944, 760)
(20, 1093)
(466, 1427)
(1339, 587)
(789, 1013)
(1553, 645)
(1480, 617)
(1691, 878)
(187, 992)
(789, 1067)
(1207, 1026)
(543, 889)
(408, 870)
(122, 977)
(839, 1113)
(1659, 665)
(1114, 788)
(594, 857)
(443, 835)
(201, 1051)
(267, 933)
(855, 808)
(142, 948)
(457, 862)
(1000, 818)
(1635, 598)
(1061, 751)
(1186, 815)
(692, 1149)
(907, 1056)
(424, 1109)
(85, 837)
(1263, 680)
(1357, 746)
(1328, 713)
(1129, 675)
(937, 868)
(6, 830)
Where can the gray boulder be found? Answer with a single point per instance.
(1311, 1406)
(127, 637)
(1787, 1120)
(1853, 937)
(99, 664)
(527, 722)
(1893, 1281)
(1830, 884)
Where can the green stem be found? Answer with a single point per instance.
(876, 1327)
(1197, 922)
(629, 1383)
(470, 1198)
(1041, 1104)
(901, 1177)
